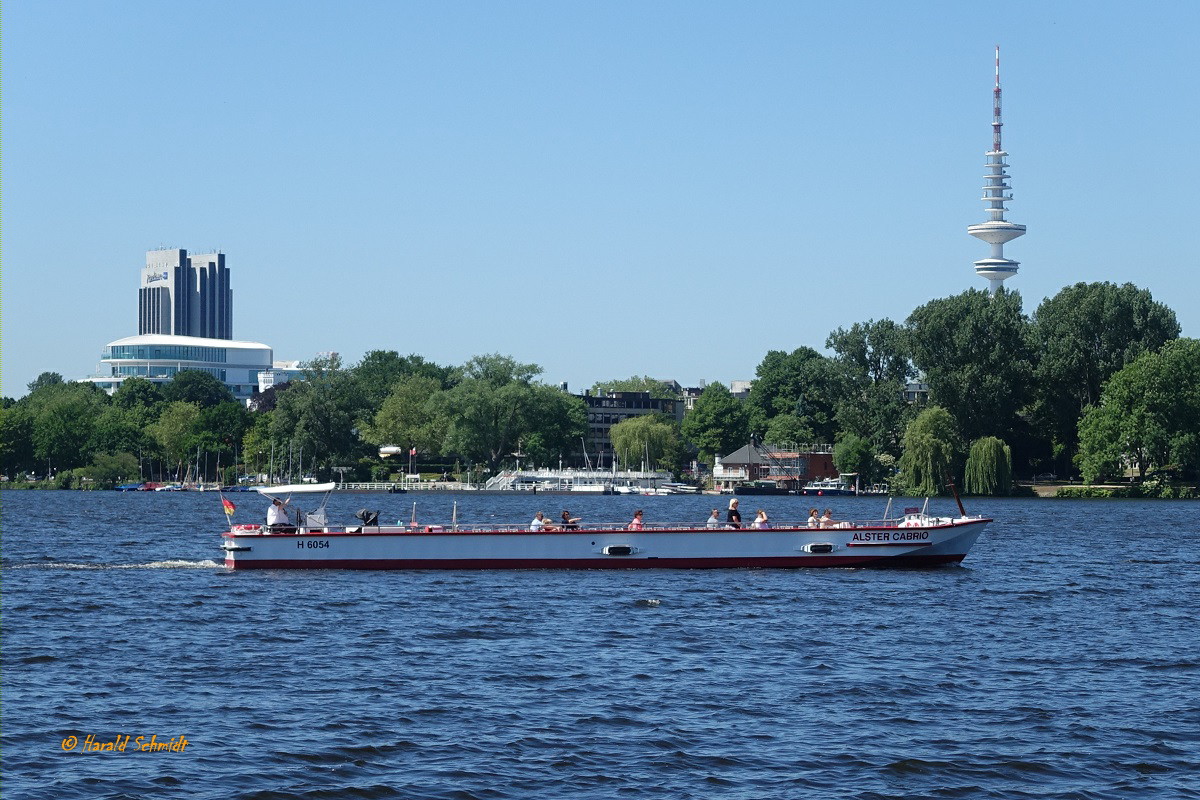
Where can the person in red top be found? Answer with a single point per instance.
(636, 525)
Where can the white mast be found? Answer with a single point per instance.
(996, 192)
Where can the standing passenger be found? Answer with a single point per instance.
(733, 517)
(636, 524)
(760, 521)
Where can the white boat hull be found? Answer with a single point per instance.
(927, 542)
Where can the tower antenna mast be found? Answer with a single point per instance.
(996, 192)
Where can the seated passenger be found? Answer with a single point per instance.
(814, 518)
(827, 518)
(715, 520)
(277, 517)
(569, 523)
(540, 523)
(760, 521)
(636, 524)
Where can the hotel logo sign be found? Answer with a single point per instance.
(156, 276)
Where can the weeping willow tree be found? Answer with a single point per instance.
(930, 447)
(989, 467)
(650, 438)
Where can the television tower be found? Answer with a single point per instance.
(996, 192)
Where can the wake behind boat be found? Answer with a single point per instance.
(913, 539)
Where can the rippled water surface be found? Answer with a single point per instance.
(1060, 660)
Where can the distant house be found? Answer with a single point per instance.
(790, 466)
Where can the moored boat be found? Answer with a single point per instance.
(827, 487)
(914, 539)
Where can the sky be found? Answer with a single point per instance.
(603, 189)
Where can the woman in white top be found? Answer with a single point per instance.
(760, 521)
(813, 519)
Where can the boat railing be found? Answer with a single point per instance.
(402, 526)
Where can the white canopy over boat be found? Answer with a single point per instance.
(296, 488)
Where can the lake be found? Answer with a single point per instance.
(1060, 660)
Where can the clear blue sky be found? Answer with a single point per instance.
(605, 189)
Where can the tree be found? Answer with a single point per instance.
(109, 469)
(854, 455)
(198, 387)
(1084, 335)
(496, 408)
(320, 414)
(408, 416)
(138, 393)
(974, 350)
(16, 440)
(652, 438)
(46, 379)
(119, 430)
(803, 383)
(989, 467)
(931, 451)
(176, 430)
(63, 419)
(1148, 415)
(718, 424)
(874, 358)
(660, 390)
(380, 370)
(223, 426)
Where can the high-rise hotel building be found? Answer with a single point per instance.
(185, 322)
(184, 295)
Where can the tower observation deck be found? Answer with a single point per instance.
(996, 192)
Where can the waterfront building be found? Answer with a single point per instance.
(184, 295)
(607, 409)
(996, 192)
(788, 466)
(158, 358)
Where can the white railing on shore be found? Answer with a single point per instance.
(408, 486)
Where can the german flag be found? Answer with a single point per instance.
(229, 507)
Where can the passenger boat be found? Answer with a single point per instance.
(912, 539)
(826, 487)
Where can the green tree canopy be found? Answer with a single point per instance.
(932, 448)
(496, 409)
(658, 389)
(974, 350)
(409, 416)
(989, 467)
(1084, 335)
(138, 393)
(16, 439)
(1148, 415)
(63, 417)
(45, 380)
(718, 424)
(380, 370)
(176, 430)
(855, 455)
(319, 416)
(196, 386)
(803, 383)
(652, 438)
(874, 357)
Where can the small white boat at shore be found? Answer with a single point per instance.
(914, 539)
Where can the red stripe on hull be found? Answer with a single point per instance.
(610, 562)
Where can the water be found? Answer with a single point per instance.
(1060, 660)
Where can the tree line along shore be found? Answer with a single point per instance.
(1095, 385)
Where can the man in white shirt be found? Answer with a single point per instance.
(715, 520)
(277, 516)
(540, 524)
